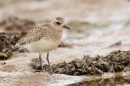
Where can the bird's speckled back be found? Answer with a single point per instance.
(46, 32)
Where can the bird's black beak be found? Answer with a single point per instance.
(66, 27)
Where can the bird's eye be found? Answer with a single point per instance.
(58, 23)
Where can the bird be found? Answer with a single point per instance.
(44, 38)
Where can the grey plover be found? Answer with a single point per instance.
(44, 38)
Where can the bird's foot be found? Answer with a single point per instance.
(51, 71)
(43, 70)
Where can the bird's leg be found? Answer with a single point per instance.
(49, 63)
(40, 59)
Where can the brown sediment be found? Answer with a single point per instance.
(16, 24)
(7, 40)
(116, 44)
(64, 45)
(116, 61)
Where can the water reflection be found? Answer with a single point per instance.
(117, 81)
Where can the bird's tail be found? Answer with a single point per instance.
(15, 46)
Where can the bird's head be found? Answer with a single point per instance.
(59, 23)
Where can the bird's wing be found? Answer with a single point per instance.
(34, 35)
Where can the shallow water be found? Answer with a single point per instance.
(114, 81)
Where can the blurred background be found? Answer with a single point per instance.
(82, 16)
(86, 18)
(89, 20)
(97, 26)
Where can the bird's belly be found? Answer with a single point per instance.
(42, 46)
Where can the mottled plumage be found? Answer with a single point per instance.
(44, 38)
(44, 32)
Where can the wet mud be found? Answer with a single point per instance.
(116, 61)
(114, 81)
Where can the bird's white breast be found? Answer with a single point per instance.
(42, 45)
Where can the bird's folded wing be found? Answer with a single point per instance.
(33, 36)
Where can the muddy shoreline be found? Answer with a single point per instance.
(116, 61)
(96, 51)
